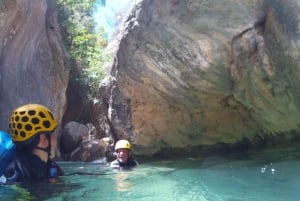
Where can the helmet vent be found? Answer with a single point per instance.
(35, 120)
(46, 124)
(42, 115)
(28, 127)
(31, 112)
(25, 119)
(23, 134)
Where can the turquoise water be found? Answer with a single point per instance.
(269, 175)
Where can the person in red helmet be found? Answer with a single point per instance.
(124, 155)
(31, 127)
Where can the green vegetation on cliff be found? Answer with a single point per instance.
(85, 44)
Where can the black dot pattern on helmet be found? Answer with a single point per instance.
(23, 134)
(28, 127)
(50, 114)
(41, 114)
(31, 112)
(19, 126)
(25, 123)
(47, 124)
(25, 119)
(35, 120)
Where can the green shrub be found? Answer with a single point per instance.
(85, 43)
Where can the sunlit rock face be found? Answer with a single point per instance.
(31, 58)
(196, 72)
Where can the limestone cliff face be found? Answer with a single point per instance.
(199, 72)
(31, 58)
(187, 73)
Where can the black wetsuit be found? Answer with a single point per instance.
(129, 163)
(30, 168)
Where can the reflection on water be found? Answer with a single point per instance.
(123, 182)
(272, 175)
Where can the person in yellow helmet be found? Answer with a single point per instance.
(124, 155)
(31, 127)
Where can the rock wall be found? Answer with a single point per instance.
(187, 73)
(32, 66)
(196, 72)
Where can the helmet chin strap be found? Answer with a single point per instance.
(43, 149)
(48, 149)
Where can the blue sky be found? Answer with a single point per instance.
(106, 15)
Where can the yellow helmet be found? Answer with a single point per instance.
(29, 120)
(122, 144)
